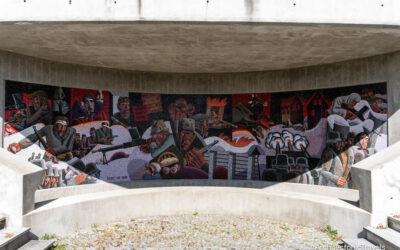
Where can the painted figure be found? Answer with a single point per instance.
(249, 115)
(38, 110)
(160, 140)
(92, 139)
(60, 106)
(59, 140)
(331, 163)
(361, 150)
(344, 106)
(161, 146)
(191, 143)
(124, 116)
(104, 134)
(89, 109)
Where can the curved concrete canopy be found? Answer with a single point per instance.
(197, 47)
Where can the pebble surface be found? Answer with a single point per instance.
(198, 232)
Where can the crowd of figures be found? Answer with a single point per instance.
(82, 136)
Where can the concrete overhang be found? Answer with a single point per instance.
(200, 36)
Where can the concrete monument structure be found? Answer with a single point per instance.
(211, 89)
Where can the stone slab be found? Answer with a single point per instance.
(386, 237)
(12, 238)
(38, 245)
(359, 244)
(394, 223)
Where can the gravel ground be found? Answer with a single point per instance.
(199, 232)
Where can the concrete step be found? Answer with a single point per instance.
(358, 244)
(13, 238)
(38, 245)
(394, 223)
(2, 222)
(386, 237)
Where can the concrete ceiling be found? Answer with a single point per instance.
(197, 48)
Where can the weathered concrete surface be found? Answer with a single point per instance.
(309, 11)
(19, 180)
(393, 79)
(61, 215)
(340, 193)
(197, 47)
(378, 179)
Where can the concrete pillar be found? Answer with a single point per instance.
(393, 94)
(378, 180)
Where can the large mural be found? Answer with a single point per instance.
(81, 136)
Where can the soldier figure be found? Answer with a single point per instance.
(190, 143)
(104, 134)
(124, 116)
(332, 167)
(59, 139)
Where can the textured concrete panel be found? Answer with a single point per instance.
(196, 48)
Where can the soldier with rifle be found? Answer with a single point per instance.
(104, 134)
(59, 140)
(191, 143)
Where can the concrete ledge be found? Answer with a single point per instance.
(340, 193)
(67, 214)
(378, 178)
(19, 180)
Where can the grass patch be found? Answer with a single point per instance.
(48, 237)
(56, 246)
(332, 234)
(284, 227)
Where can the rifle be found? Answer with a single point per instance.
(133, 143)
(208, 147)
(204, 149)
(64, 156)
(116, 121)
(229, 123)
(359, 113)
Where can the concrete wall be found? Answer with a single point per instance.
(19, 180)
(306, 11)
(383, 68)
(61, 215)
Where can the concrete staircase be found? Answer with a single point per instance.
(20, 238)
(378, 238)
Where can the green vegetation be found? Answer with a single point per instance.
(118, 225)
(195, 213)
(285, 227)
(333, 234)
(56, 246)
(59, 247)
(48, 237)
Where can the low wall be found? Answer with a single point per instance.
(379, 180)
(19, 180)
(45, 195)
(67, 214)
